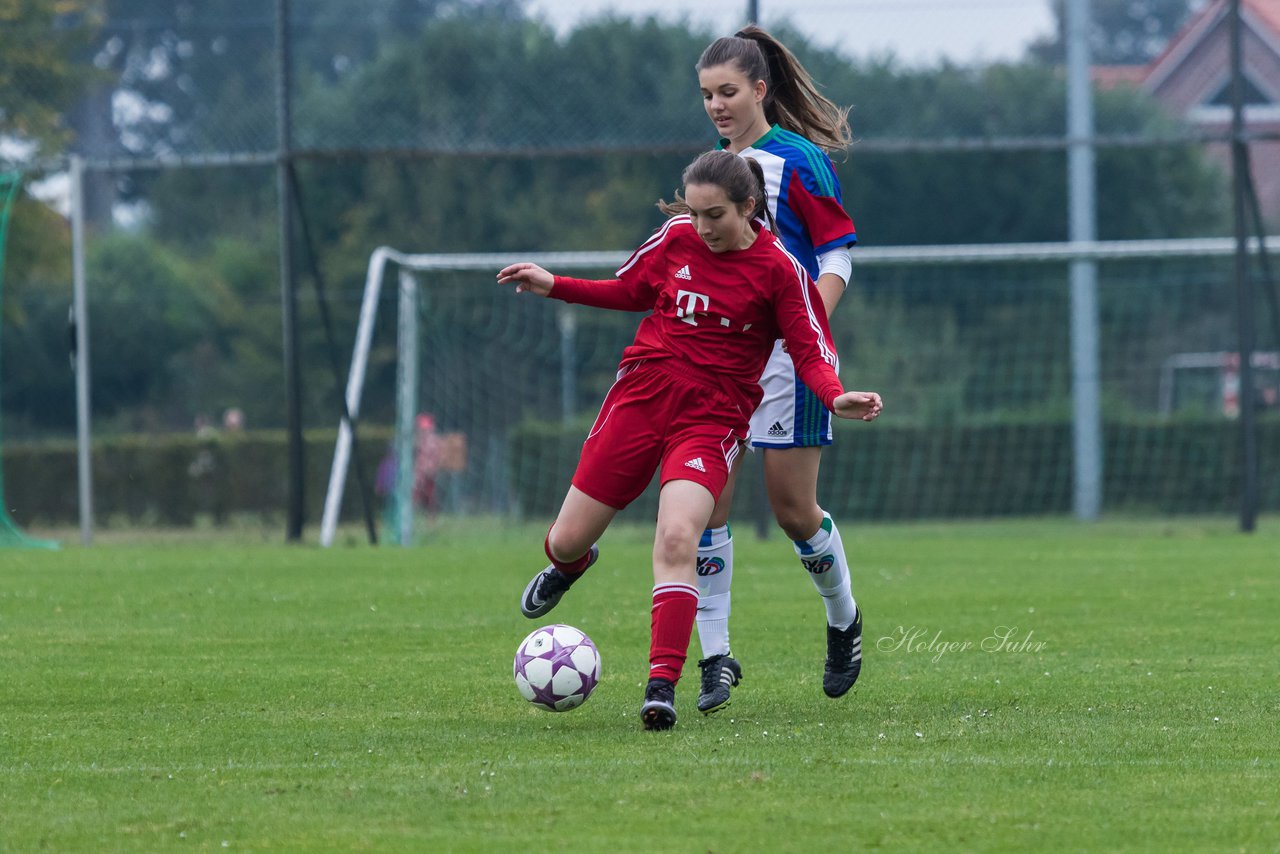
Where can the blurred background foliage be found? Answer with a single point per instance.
(449, 126)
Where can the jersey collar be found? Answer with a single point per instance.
(773, 131)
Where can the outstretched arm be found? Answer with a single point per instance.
(527, 277)
(630, 294)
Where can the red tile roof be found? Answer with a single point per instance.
(1266, 11)
(1113, 76)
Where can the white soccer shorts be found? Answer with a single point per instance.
(789, 415)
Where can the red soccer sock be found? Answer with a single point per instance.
(572, 568)
(674, 609)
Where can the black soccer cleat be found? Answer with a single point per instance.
(544, 590)
(659, 709)
(844, 658)
(719, 674)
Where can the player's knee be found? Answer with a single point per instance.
(567, 543)
(676, 543)
(797, 520)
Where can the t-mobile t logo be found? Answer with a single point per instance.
(688, 304)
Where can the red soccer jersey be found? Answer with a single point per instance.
(718, 313)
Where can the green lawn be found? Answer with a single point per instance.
(200, 693)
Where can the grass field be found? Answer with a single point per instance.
(205, 694)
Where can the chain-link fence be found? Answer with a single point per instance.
(500, 126)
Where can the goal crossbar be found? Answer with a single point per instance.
(384, 256)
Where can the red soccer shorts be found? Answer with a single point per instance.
(657, 418)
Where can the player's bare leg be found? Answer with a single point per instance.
(571, 547)
(791, 480)
(581, 522)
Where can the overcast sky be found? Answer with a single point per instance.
(915, 31)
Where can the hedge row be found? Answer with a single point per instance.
(176, 479)
(873, 472)
(889, 472)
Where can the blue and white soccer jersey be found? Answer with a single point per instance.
(804, 198)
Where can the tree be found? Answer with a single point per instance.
(528, 141)
(1010, 196)
(1124, 32)
(38, 72)
(40, 78)
(200, 78)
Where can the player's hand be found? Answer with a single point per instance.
(858, 405)
(527, 277)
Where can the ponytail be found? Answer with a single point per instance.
(792, 99)
(762, 195)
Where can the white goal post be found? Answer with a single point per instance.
(407, 356)
(408, 266)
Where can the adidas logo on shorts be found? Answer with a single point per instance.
(683, 273)
(696, 463)
(777, 429)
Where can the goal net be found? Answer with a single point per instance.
(970, 346)
(11, 536)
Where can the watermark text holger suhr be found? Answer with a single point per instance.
(914, 639)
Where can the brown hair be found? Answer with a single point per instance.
(741, 178)
(792, 99)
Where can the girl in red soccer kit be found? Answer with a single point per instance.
(720, 289)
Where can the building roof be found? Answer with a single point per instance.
(1266, 11)
(1263, 16)
(1112, 76)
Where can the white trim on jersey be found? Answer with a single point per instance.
(772, 165)
(656, 238)
(802, 276)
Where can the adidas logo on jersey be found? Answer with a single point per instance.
(683, 273)
(777, 429)
(696, 463)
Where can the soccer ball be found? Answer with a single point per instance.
(557, 667)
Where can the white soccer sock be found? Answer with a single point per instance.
(823, 557)
(715, 573)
